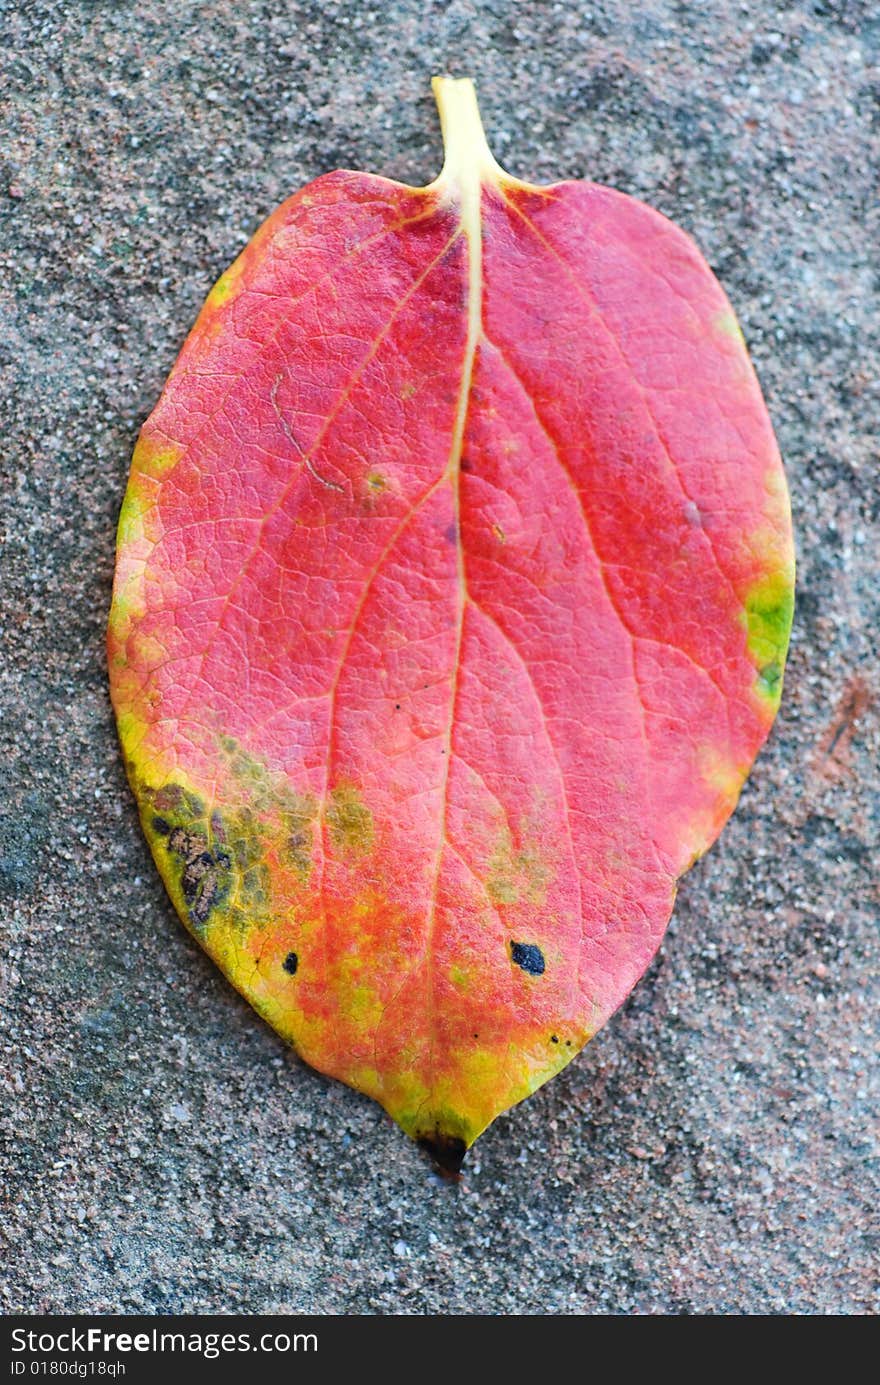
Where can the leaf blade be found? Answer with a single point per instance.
(443, 636)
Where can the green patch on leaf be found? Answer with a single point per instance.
(298, 819)
(767, 617)
(350, 820)
(517, 874)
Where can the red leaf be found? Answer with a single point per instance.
(453, 593)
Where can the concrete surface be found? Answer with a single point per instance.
(710, 1153)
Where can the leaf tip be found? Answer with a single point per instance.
(446, 1152)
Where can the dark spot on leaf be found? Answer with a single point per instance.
(161, 826)
(466, 464)
(451, 533)
(529, 957)
(291, 962)
(554, 1039)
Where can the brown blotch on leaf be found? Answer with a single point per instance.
(172, 798)
(195, 872)
(204, 877)
(204, 902)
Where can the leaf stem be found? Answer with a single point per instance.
(468, 158)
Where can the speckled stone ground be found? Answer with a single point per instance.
(711, 1151)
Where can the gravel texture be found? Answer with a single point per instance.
(710, 1152)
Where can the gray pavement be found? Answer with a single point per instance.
(711, 1151)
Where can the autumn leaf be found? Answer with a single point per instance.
(453, 592)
